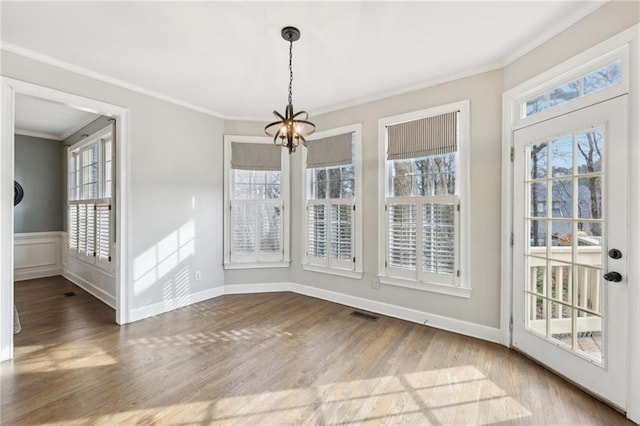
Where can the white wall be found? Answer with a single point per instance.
(176, 187)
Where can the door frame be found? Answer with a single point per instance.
(8, 89)
(628, 43)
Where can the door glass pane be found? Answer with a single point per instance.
(562, 198)
(539, 163)
(538, 200)
(566, 233)
(589, 334)
(589, 151)
(562, 156)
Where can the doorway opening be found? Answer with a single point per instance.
(91, 241)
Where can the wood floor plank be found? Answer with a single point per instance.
(277, 358)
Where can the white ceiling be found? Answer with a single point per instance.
(228, 59)
(47, 119)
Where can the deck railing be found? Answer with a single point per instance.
(562, 292)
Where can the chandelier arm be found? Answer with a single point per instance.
(278, 115)
(300, 113)
(268, 126)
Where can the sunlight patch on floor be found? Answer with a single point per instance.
(66, 357)
(457, 395)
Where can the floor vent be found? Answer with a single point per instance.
(69, 294)
(364, 316)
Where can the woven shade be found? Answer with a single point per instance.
(256, 156)
(420, 138)
(331, 151)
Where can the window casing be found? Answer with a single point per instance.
(424, 238)
(256, 216)
(593, 81)
(89, 206)
(331, 208)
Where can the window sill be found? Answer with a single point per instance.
(255, 265)
(430, 287)
(333, 271)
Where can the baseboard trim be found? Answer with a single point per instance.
(432, 320)
(138, 314)
(453, 325)
(98, 293)
(36, 272)
(256, 288)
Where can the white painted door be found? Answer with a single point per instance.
(570, 214)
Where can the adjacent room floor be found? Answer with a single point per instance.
(276, 358)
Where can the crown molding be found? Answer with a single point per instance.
(40, 135)
(27, 53)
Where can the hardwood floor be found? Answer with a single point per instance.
(277, 358)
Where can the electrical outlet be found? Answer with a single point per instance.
(375, 283)
(198, 275)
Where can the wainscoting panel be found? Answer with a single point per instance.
(37, 255)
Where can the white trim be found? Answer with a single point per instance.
(465, 328)
(357, 252)
(347, 273)
(630, 37)
(8, 90)
(633, 396)
(552, 31)
(425, 286)
(285, 197)
(257, 288)
(255, 265)
(432, 320)
(27, 53)
(31, 265)
(144, 312)
(39, 135)
(463, 188)
(95, 291)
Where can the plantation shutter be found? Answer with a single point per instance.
(401, 225)
(341, 231)
(317, 230)
(103, 231)
(439, 237)
(270, 229)
(256, 156)
(420, 138)
(72, 228)
(244, 230)
(330, 151)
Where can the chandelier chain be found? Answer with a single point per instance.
(290, 69)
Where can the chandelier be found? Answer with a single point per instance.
(292, 128)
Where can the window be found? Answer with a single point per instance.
(256, 196)
(331, 197)
(592, 82)
(424, 199)
(584, 81)
(89, 214)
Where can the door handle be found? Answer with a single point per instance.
(613, 276)
(615, 254)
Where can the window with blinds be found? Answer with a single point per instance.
(255, 225)
(89, 211)
(331, 202)
(422, 199)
